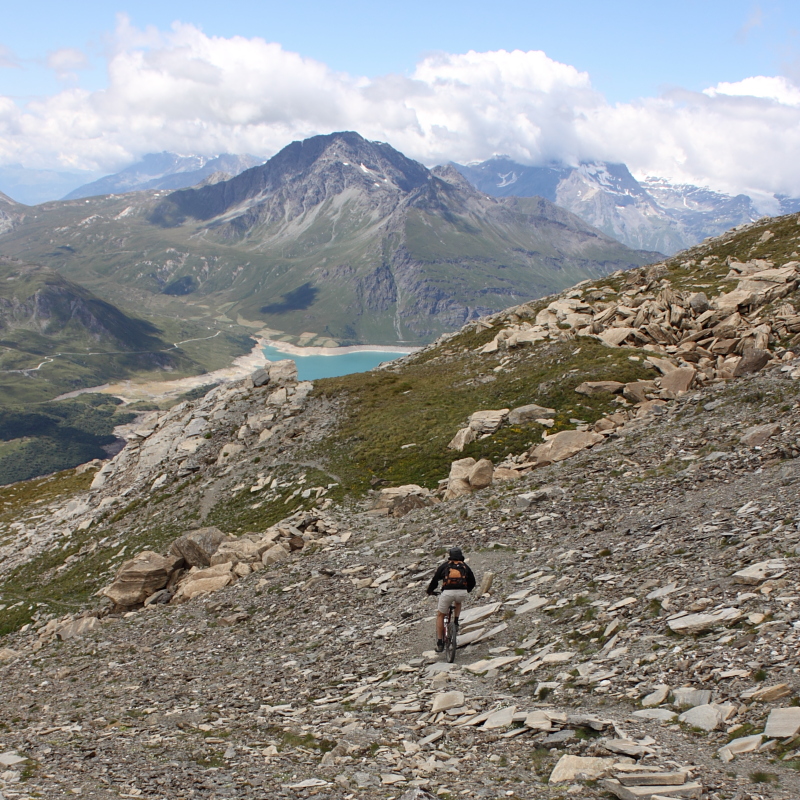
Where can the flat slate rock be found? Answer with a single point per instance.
(660, 714)
(782, 723)
(687, 697)
(691, 790)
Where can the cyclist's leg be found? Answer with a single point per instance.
(457, 602)
(439, 625)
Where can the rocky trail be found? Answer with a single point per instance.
(635, 636)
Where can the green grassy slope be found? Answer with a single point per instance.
(56, 336)
(48, 437)
(427, 399)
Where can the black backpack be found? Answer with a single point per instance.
(455, 575)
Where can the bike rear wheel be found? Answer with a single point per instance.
(450, 641)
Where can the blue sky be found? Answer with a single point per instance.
(706, 92)
(630, 49)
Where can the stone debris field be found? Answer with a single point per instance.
(635, 633)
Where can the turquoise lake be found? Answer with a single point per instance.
(310, 368)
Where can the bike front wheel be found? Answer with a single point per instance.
(450, 643)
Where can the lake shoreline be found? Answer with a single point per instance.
(295, 350)
(130, 392)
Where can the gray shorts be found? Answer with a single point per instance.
(448, 595)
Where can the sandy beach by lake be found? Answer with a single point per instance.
(241, 367)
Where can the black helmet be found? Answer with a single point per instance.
(455, 554)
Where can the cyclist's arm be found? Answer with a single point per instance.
(470, 579)
(437, 576)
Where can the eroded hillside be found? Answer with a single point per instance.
(628, 473)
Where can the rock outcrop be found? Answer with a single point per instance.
(140, 577)
(198, 546)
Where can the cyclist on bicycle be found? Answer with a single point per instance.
(457, 581)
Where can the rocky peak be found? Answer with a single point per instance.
(302, 175)
(651, 213)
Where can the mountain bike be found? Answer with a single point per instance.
(450, 632)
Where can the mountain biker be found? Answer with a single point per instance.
(457, 581)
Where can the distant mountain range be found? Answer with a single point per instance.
(651, 214)
(30, 187)
(167, 171)
(154, 171)
(335, 235)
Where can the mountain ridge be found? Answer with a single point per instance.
(164, 171)
(652, 213)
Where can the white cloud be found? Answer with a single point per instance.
(67, 60)
(66, 63)
(187, 92)
(779, 89)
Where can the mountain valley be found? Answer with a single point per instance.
(334, 235)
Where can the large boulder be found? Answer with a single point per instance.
(760, 572)
(196, 547)
(699, 623)
(581, 768)
(458, 479)
(637, 391)
(698, 302)
(464, 437)
(528, 413)
(399, 500)
(460, 470)
(203, 581)
(677, 382)
(275, 553)
(236, 550)
(281, 372)
(457, 487)
(758, 435)
(77, 627)
(599, 387)
(140, 576)
(480, 476)
(614, 337)
(563, 445)
(206, 585)
(752, 361)
(487, 421)
(506, 474)
(260, 378)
